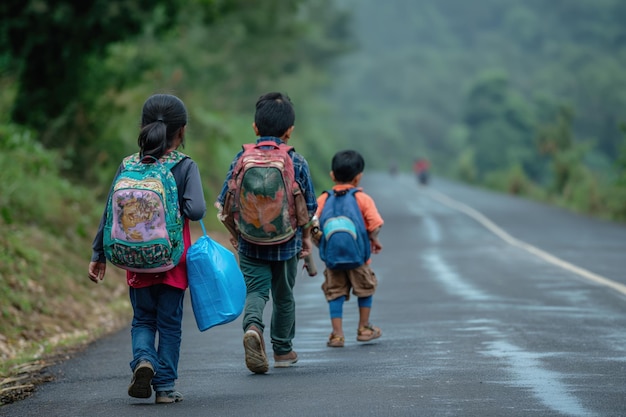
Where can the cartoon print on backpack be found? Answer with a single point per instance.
(144, 228)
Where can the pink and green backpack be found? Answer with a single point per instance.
(143, 231)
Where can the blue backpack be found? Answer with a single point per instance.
(143, 231)
(345, 242)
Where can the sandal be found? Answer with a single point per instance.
(367, 333)
(335, 341)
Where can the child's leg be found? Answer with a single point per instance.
(365, 307)
(336, 314)
(366, 330)
(336, 290)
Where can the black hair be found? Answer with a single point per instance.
(346, 165)
(274, 114)
(161, 118)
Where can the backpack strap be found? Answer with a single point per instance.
(250, 146)
(267, 143)
(271, 143)
(173, 158)
(170, 159)
(134, 158)
(352, 190)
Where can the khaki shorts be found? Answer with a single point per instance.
(361, 280)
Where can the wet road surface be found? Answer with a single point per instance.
(489, 305)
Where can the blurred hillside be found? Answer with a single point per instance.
(522, 96)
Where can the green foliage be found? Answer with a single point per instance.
(208, 63)
(47, 42)
(617, 190)
(500, 125)
(512, 181)
(31, 190)
(620, 163)
(20, 260)
(555, 140)
(466, 167)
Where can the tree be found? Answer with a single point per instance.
(50, 43)
(556, 141)
(500, 125)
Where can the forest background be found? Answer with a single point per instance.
(522, 96)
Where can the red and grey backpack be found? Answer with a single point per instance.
(263, 187)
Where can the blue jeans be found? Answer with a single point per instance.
(157, 309)
(261, 276)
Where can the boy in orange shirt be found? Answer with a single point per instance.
(347, 171)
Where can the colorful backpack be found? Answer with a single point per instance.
(263, 190)
(345, 242)
(143, 231)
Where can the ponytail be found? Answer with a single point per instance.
(162, 118)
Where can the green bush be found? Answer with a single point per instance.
(32, 190)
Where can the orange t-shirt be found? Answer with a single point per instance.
(371, 216)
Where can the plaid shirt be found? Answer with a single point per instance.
(293, 247)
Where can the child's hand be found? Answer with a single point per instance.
(316, 235)
(234, 241)
(97, 271)
(375, 245)
(307, 247)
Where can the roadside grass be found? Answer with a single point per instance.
(46, 300)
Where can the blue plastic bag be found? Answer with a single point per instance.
(216, 284)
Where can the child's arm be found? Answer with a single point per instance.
(307, 245)
(374, 242)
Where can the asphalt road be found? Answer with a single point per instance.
(490, 306)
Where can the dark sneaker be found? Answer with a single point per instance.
(140, 386)
(367, 333)
(286, 360)
(254, 347)
(168, 397)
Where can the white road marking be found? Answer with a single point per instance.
(528, 370)
(444, 199)
(431, 226)
(451, 279)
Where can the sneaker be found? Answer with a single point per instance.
(254, 347)
(367, 333)
(286, 360)
(335, 341)
(140, 386)
(168, 397)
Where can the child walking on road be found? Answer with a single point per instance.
(267, 203)
(156, 297)
(349, 225)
